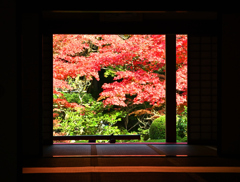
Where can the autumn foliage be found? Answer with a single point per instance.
(137, 64)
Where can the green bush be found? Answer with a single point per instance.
(93, 121)
(181, 126)
(157, 128)
(74, 97)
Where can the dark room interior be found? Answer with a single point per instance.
(28, 152)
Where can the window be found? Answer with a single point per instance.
(106, 84)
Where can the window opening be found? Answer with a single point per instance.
(112, 84)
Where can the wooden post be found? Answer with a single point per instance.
(171, 88)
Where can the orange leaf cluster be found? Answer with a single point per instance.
(141, 112)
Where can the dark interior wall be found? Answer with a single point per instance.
(31, 103)
(9, 93)
(202, 89)
(230, 78)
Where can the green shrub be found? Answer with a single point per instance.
(181, 126)
(72, 97)
(93, 121)
(157, 128)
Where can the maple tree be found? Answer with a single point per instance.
(139, 61)
(136, 63)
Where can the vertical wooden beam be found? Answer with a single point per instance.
(47, 88)
(171, 88)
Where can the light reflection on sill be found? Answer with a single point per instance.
(109, 156)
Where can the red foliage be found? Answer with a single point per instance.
(142, 56)
(55, 115)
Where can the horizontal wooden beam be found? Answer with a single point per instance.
(97, 137)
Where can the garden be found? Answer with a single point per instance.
(115, 84)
